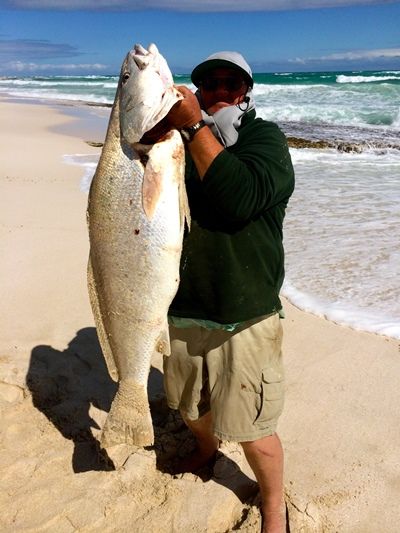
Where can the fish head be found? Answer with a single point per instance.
(146, 92)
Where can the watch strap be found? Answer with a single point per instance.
(190, 132)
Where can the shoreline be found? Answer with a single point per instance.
(90, 119)
(101, 111)
(339, 426)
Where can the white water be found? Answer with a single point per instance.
(342, 238)
(339, 105)
(363, 79)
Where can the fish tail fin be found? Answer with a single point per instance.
(129, 420)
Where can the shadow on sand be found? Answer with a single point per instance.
(64, 385)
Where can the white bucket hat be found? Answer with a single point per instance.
(232, 60)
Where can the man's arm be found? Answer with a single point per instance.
(256, 177)
(204, 147)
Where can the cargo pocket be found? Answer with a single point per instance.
(272, 396)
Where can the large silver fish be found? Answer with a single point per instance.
(136, 215)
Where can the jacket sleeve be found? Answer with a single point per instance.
(252, 176)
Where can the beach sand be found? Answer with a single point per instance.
(340, 427)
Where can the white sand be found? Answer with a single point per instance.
(340, 426)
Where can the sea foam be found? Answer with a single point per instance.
(364, 79)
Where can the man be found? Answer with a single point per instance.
(225, 371)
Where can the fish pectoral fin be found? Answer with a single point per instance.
(184, 209)
(163, 343)
(151, 190)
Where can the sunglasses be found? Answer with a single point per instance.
(230, 83)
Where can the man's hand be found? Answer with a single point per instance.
(186, 112)
(157, 132)
(183, 114)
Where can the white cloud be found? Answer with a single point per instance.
(383, 53)
(20, 66)
(41, 56)
(351, 56)
(35, 49)
(186, 5)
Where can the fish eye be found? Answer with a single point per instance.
(125, 77)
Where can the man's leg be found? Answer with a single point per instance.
(207, 443)
(265, 457)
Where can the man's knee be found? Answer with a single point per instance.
(269, 446)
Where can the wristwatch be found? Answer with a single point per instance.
(189, 133)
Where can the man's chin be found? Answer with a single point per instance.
(216, 107)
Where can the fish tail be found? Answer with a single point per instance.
(129, 420)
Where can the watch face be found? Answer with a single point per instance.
(186, 135)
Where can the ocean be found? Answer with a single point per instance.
(341, 232)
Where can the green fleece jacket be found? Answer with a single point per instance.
(232, 264)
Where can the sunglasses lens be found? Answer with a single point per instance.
(231, 84)
(209, 84)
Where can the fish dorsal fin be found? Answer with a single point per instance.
(152, 184)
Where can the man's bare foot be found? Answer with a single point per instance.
(196, 460)
(274, 521)
(207, 445)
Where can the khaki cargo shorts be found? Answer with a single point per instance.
(237, 375)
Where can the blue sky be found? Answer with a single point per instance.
(40, 37)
